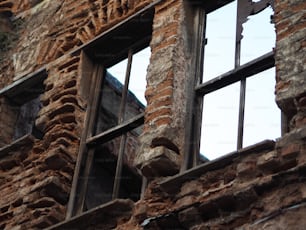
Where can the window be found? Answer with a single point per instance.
(231, 106)
(22, 104)
(115, 114)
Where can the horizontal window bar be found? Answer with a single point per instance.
(251, 68)
(116, 131)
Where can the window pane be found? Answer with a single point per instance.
(220, 122)
(102, 176)
(219, 52)
(111, 93)
(258, 36)
(138, 74)
(118, 71)
(262, 116)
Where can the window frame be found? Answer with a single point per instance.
(238, 74)
(89, 139)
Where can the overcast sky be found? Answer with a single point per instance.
(220, 114)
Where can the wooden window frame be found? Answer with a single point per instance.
(239, 74)
(89, 139)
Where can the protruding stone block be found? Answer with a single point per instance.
(159, 161)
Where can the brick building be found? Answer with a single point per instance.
(78, 150)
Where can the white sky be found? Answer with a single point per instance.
(220, 114)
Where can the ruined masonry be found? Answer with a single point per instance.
(78, 150)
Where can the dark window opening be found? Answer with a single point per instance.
(102, 174)
(23, 103)
(27, 114)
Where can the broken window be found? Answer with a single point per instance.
(236, 105)
(22, 104)
(115, 115)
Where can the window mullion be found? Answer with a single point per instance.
(241, 113)
(126, 87)
(121, 118)
(117, 179)
(241, 18)
(83, 187)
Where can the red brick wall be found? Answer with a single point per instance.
(163, 137)
(244, 191)
(36, 178)
(290, 60)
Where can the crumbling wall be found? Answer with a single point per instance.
(256, 188)
(162, 141)
(261, 187)
(36, 174)
(290, 58)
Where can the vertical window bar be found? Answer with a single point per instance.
(126, 87)
(116, 187)
(241, 113)
(240, 21)
(88, 166)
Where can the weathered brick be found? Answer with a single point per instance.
(190, 217)
(291, 150)
(269, 162)
(191, 188)
(247, 168)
